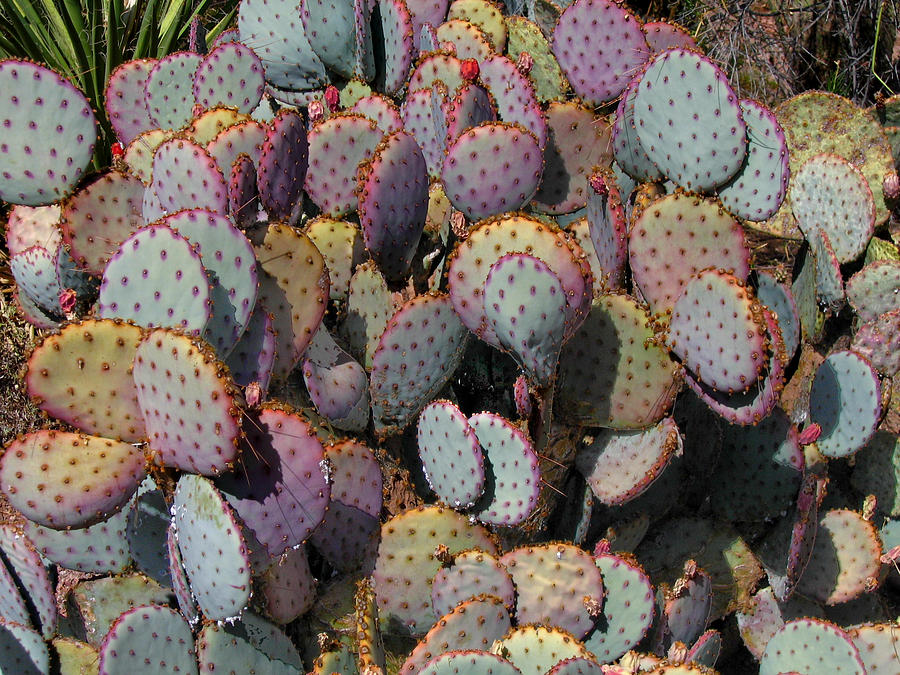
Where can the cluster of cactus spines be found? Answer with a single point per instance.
(275, 230)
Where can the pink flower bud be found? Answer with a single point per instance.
(598, 184)
(67, 300)
(523, 398)
(253, 394)
(891, 185)
(810, 434)
(316, 111)
(469, 69)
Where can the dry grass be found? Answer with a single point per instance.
(17, 413)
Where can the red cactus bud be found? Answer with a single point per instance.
(602, 547)
(117, 150)
(332, 98)
(810, 434)
(67, 300)
(524, 63)
(197, 110)
(598, 184)
(458, 224)
(469, 68)
(523, 399)
(253, 394)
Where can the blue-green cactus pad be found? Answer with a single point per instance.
(156, 279)
(287, 589)
(23, 562)
(49, 132)
(243, 647)
(628, 608)
(185, 176)
(204, 522)
(231, 75)
(273, 29)
(845, 400)
(689, 120)
(253, 357)
(418, 352)
(811, 646)
(875, 289)
(472, 573)
(230, 263)
(336, 383)
(513, 94)
(451, 454)
(149, 638)
(779, 298)
(397, 28)
(536, 649)
(169, 90)
(22, 651)
(513, 475)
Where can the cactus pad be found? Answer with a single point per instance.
(451, 455)
(230, 75)
(875, 289)
(845, 400)
(125, 99)
(185, 176)
(22, 650)
(203, 523)
(620, 465)
(879, 342)
(61, 479)
(279, 489)
(283, 164)
(707, 146)
(534, 650)
(810, 645)
(406, 564)
(470, 661)
(26, 571)
(472, 573)
(49, 134)
(149, 636)
(188, 403)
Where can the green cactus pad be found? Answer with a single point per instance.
(607, 229)
(187, 399)
(492, 168)
(576, 143)
(726, 347)
(758, 473)
(210, 123)
(49, 134)
(811, 646)
(291, 259)
(845, 400)
(472, 573)
(493, 238)
(473, 624)
(138, 156)
(552, 582)
(830, 194)
(470, 661)
(758, 189)
(22, 651)
(875, 289)
(24, 569)
(288, 587)
(530, 327)
(406, 564)
(381, 110)
(98, 218)
(75, 657)
(29, 226)
(339, 661)
(631, 380)
(61, 479)
(369, 309)
(280, 490)
(169, 89)
(844, 559)
(418, 120)
(630, 153)
(152, 259)
(468, 39)
(435, 67)
(689, 120)
(599, 63)
(628, 608)
(148, 637)
(417, 353)
(676, 237)
(147, 531)
(94, 604)
(687, 605)
(620, 465)
(250, 645)
(253, 357)
(536, 649)
(204, 522)
(765, 615)
(337, 146)
(97, 353)
(877, 472)
(451, 454)
(185, 176)
(341, 244)
(547, 77)
(577, 665)
(780, 300)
